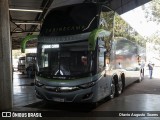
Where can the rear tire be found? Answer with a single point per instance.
(119, 87)
(93, 105)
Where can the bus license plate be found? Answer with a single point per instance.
(58, 99)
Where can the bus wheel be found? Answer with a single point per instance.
(119, 87)
(113, 90)
(93, 105)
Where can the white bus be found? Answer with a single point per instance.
(30, 64)
(21, 65)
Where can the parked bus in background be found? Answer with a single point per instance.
(30, 64)
(85, 53)
(21, 65)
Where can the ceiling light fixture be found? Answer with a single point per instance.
(28, 23)
(24, 10)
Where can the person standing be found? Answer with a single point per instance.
(150, 66)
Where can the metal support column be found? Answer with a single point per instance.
(5, 58)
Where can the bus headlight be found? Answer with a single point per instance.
(87, 85)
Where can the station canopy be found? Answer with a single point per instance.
(26, 17)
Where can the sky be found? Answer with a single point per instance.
(136, 18)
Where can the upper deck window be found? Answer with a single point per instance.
(70, 20)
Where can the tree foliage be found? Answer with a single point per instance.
(154, 42)
(123, 29)
(112, 22)
(155, 38)
(152, 11)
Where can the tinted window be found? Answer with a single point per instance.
(70, 20)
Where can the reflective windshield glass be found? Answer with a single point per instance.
(65, 59)
(30, 59)
(70, 20)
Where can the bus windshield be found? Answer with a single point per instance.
(70, 20)
(64, 60)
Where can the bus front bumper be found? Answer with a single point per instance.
(80, 95)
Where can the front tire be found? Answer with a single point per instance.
(93, 105)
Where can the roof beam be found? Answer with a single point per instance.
(122, 6)
(45, 5)
(25, 10)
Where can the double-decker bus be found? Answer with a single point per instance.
(85, 53)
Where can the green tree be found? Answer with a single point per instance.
(112, 22)
(154, 42)
(152, 11)
(123, 29)
(155, 38)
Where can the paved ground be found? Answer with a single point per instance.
(24, 85)
(147, 86)
(144, 96)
